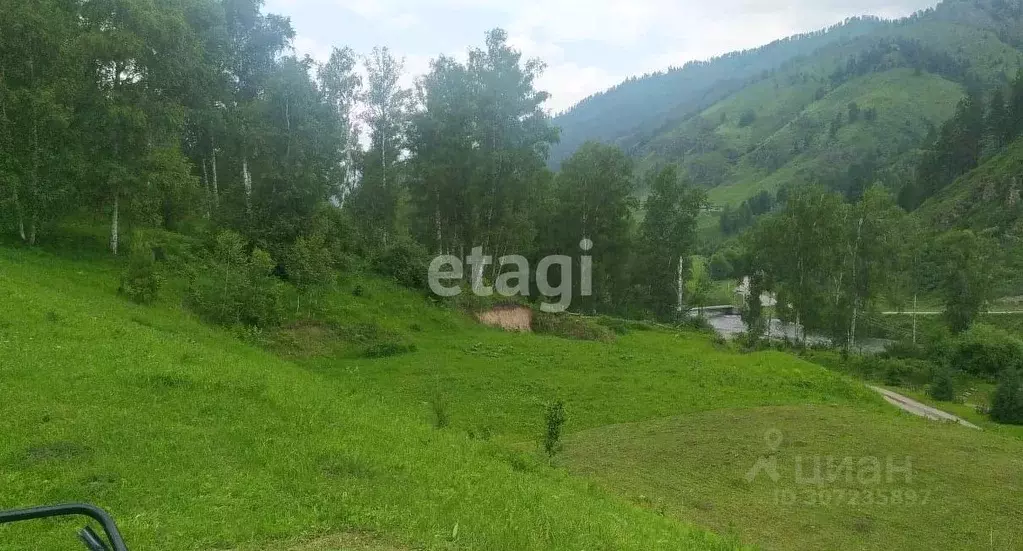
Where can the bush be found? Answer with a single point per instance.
(238, 288)
(985, 351)
(310, 262)
(1007, 405)
(904, 350)
(943, 387)
(141, 281)
(555, 421)
(405, 262)
(696, 323)
(571, 327)
(619, 326)
(623, 326)
(890, 371)
(898, 372)
(721, 267)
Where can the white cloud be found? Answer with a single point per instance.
(644, 35)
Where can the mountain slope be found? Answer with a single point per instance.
(852, 108)
(639, 102)
(986, 199)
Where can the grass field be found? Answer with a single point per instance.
(839, 485)
(196, 439)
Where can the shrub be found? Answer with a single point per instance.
(405, 262)
(310, 262)
(571, 327)
(985, 351)
(1007, 404)
(619, 326)
(238, 288)
(904, 350)
(141, 281)
(943, 387)
(555, 421)
(891, 371)
(721, 267)
(899, 372)
(696, 323)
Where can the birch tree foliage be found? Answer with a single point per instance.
(667, 237)
(341, 86)
(875, 238)
(136, 64)
(386, 114)
(37, 62)
(443, 154)
(830, 261)
(595, 198)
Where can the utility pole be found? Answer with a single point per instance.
(914, 318)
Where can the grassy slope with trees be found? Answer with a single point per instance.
(193, 437)
(231, 175)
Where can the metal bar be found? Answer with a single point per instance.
(82, 509)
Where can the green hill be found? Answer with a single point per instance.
(195, 437)
(987, 198)
(850, 106)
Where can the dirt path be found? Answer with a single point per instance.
(923, 410)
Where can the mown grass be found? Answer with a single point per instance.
(975, 396)
(961, 490)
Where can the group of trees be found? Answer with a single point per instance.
(977, 131)
(733, 220)
(831, 261)
(827, 260)
(165, 114)
(195, 117)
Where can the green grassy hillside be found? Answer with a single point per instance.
(804, 149)
(196, 439)
(986, 198)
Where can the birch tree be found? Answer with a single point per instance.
(387, 106)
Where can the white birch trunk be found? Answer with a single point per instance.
(681, 286)
(852, 326)
(436, 221)
(21, 216)
(914, 318)
(206, 186)
(213, 168)
(115, 224)
(247, 182)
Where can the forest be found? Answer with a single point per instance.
(190, 129)
(194, 118)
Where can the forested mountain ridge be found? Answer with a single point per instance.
(681, 90)
(853, 105)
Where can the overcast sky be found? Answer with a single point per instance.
(588, 45)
